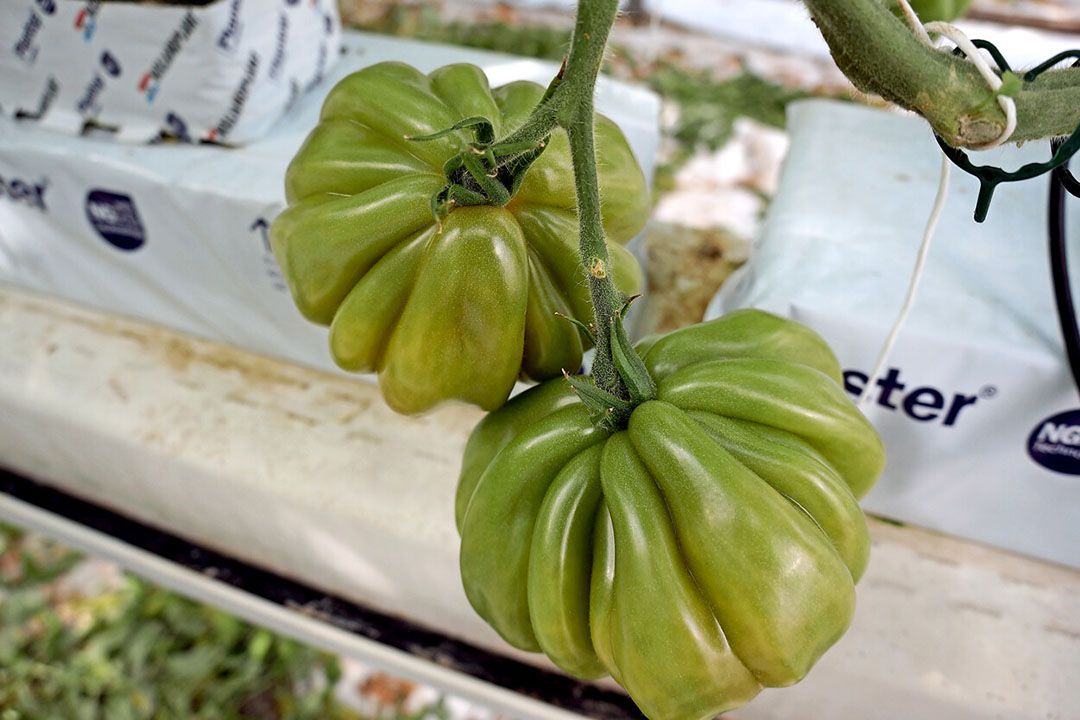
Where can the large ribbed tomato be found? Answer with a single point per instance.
(457, 309)
(708, 549)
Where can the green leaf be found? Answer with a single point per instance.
(585, 329)
(1011, 84)
(605, 409)
(260, 645)
(629, 365)
(483, 129)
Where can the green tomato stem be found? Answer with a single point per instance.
(594, 21)
(544, 117)
(882, 56)
(606, 298)
(569, 104)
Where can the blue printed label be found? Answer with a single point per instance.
(27, 192)
(273, 272)
(176, 127)
(86, 19)
(919, 402)
(229, 38)
(110, 63)
(26, 46)
(150, 83)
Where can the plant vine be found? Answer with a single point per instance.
(881, 55)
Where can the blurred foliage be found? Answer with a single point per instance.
(708, 109)
(137, 652)
(424, 22)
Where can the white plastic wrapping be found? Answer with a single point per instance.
(177, 234)
(976, 404)
(224, 72)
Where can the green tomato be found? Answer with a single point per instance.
(707, 550)
(931, 10)
(459, 309)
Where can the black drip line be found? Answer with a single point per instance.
(1061, 181)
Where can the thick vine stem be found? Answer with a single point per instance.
(881, 55)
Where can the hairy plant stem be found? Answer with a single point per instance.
(594, 21)
(881, 55)
(569, 105)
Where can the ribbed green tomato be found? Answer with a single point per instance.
(462, 309)
(931, 10)
(706, 551)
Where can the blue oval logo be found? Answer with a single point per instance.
(1055, 443)
(115, 218)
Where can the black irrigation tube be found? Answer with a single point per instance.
(552, 688)
(1061, 180)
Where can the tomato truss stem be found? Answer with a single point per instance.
(568, 103)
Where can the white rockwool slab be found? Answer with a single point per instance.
(308, 474)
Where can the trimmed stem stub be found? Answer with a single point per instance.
(597, 268)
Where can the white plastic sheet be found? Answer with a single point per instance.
(971, 404)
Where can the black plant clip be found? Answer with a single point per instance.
(1062, 180)
(990, 176)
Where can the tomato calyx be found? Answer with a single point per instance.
(608, 410)
(485, 172)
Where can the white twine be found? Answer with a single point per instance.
(913, 22)
(913, 284)
(1008, 105)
